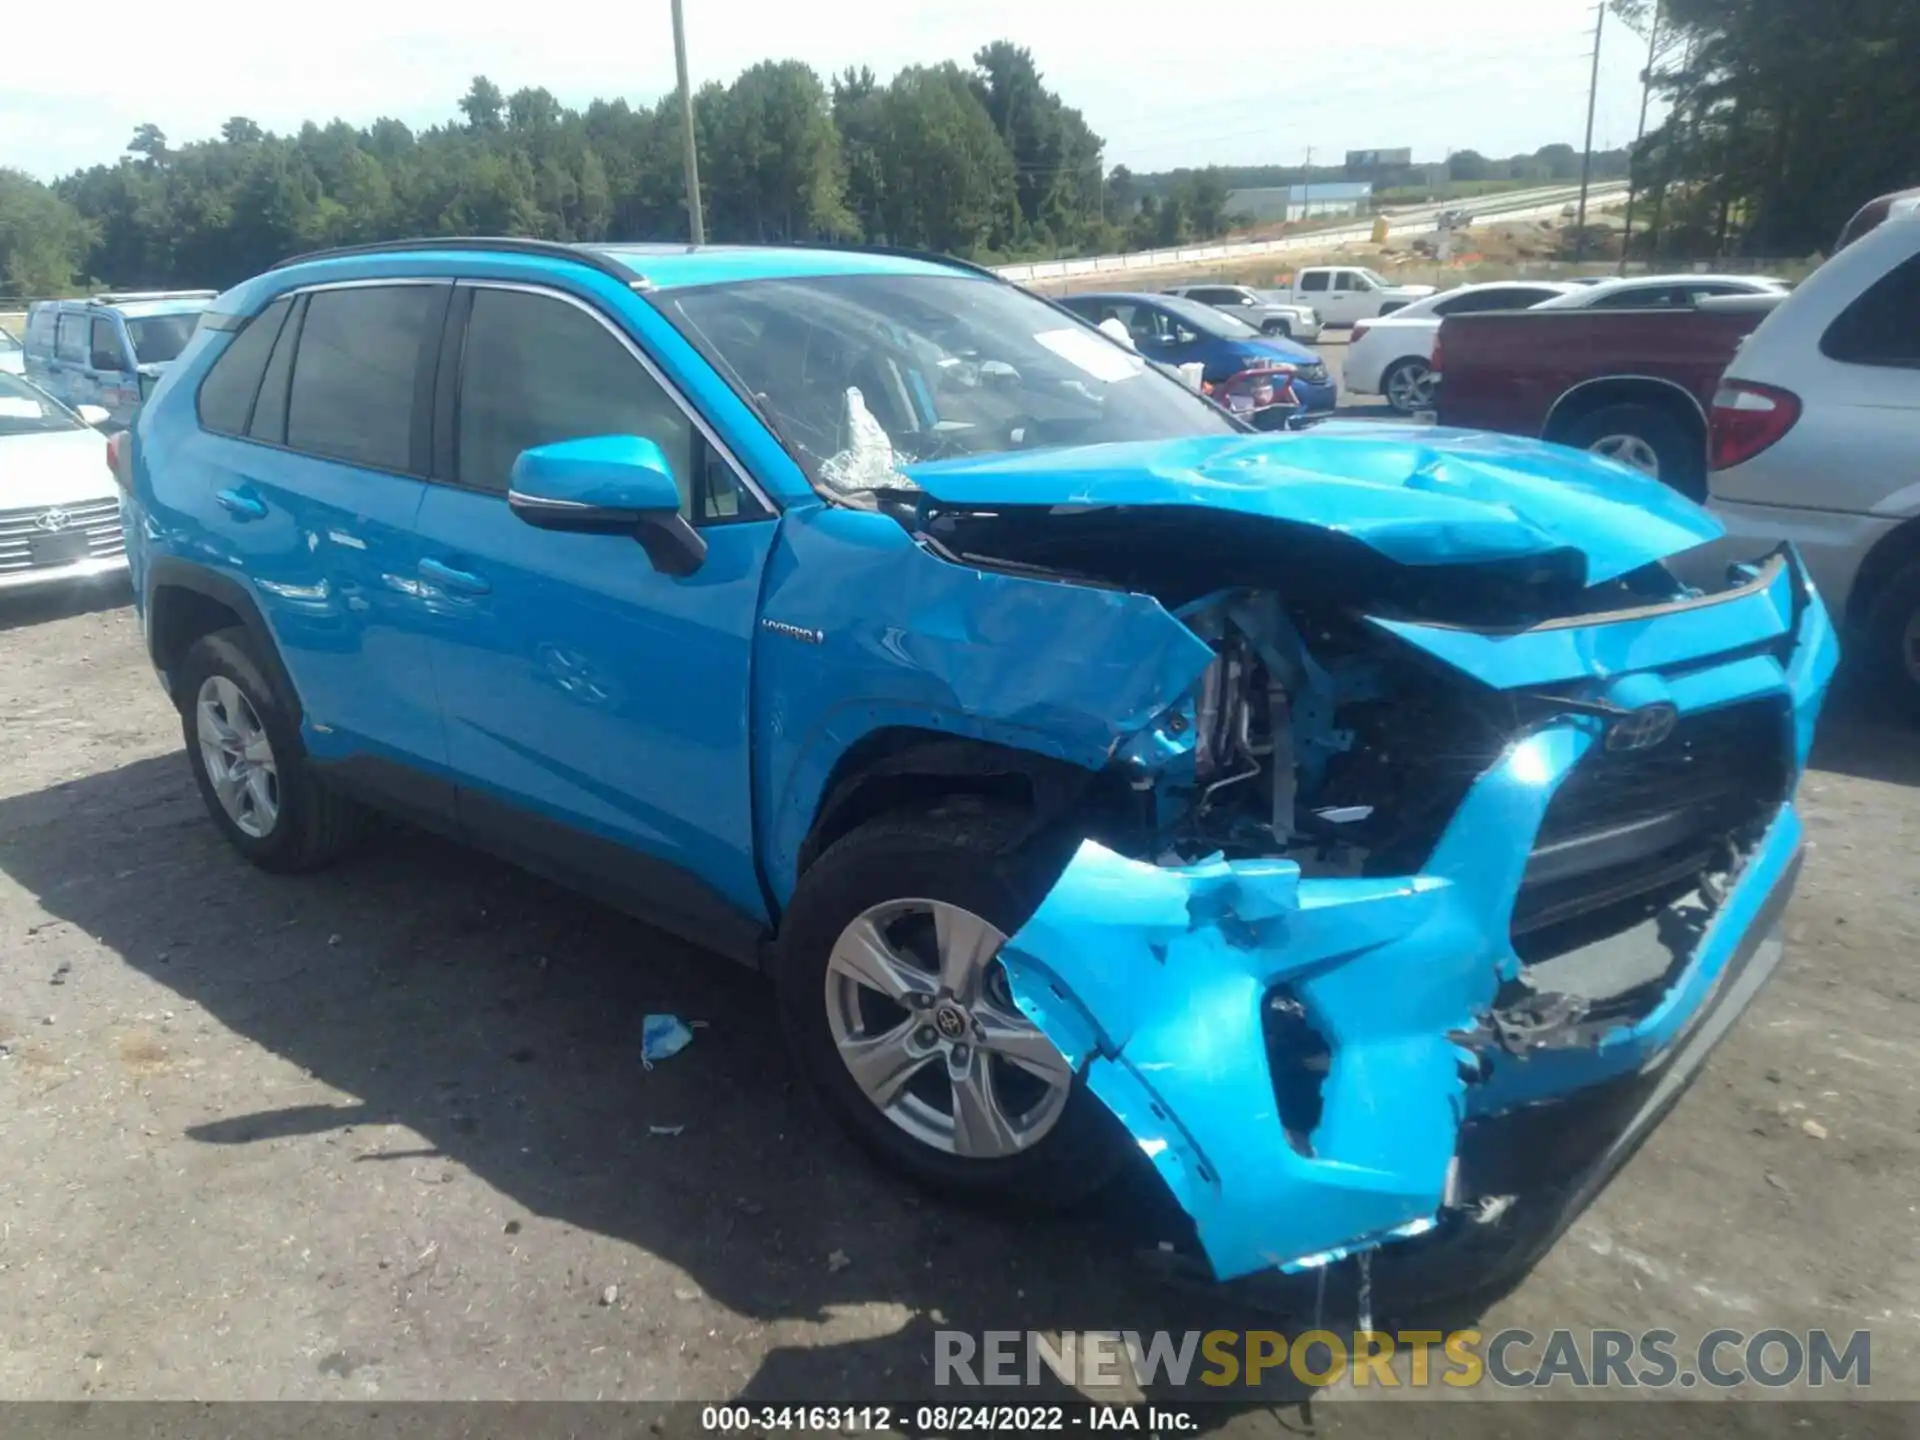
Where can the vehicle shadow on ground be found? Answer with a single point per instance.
(36, 607)
(499, 1018)
(1864, 735)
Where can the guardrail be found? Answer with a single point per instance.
(1039, 272)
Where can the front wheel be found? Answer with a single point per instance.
(1277, 327)
(900, 1015)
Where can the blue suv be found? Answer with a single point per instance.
(1359, 824)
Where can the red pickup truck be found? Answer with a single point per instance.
(1631, 384)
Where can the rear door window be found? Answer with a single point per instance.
(357, 376)
(226, 397)
(1882, 327)
(1314, 280)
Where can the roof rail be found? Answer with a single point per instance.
(905, 252)
(126, 297)
(546, 249)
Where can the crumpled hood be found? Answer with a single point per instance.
(1416, 494)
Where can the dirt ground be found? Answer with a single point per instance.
(384, 1133)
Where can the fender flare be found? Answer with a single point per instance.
(1553, 410)
(170, 573)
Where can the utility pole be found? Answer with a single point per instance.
(694, 218)
(1306, 188)
(1646, 92)
(1586, 161)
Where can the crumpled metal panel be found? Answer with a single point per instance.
(1068, 671)
(1151, 980)
(1418, 495)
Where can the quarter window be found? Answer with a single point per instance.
(537, 370)
(226, 395)
(354, 380)
(1882, 327)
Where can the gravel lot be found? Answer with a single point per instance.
(385, 1133)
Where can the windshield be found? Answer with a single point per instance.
(858, 374)
(1377, 278)
(27, 410)
(160, 338)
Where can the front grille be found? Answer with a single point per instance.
(45, 536)
(1626, 825)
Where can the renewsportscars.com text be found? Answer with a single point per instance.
(1460, 1359)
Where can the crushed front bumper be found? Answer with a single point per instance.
(1157, 982)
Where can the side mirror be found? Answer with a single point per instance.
(94, 415)
(608, 485)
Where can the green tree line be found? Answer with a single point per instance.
(986, 161)
(1785, 117)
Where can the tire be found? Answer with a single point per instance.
(1277, 327)
(305, 823)
(1410, 372)
(1892, 631)
(959, 853)
(1677, 451)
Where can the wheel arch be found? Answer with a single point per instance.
(1579, 401)
(899, 766)
(186, 602)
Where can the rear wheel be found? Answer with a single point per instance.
(1648, 439)
(1408, 385)
(901, 1018)
(249, 765)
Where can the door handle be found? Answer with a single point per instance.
(460, 582)
(241, 505)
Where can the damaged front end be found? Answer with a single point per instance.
(1392, 871)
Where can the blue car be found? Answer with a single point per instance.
(1359, 826)
(1177, 331)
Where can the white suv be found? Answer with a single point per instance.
(1816, 438)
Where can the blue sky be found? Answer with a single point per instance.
(1166, 85)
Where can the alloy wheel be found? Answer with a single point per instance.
(925, 1022)
(238, 756)
(1629, 450)
(1410, 387)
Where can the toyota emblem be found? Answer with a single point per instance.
(53, 520)
(1644, 728)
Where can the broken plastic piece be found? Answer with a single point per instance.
(662, 1037)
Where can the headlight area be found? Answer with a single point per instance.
(1362, 897)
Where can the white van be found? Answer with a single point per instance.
(1815, 438)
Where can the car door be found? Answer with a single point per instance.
(313, 489)
(110, 374)
(596, 708)
(1313, 288)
